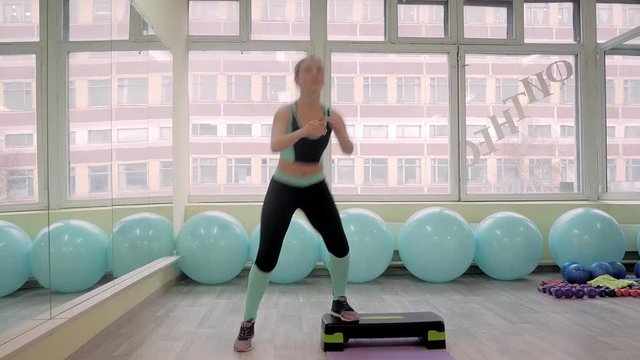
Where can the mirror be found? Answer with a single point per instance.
(23, 177)
(85, 183)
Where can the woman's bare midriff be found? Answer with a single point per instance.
(297, 168)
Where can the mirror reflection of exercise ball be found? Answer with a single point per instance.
(76, 253)
(15, 255)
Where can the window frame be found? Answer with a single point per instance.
(48, 74)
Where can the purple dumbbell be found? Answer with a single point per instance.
(569, 292)
(558, 293)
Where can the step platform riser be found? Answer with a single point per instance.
(427, 326)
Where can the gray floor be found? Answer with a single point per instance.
(27, 304)
(485, 319)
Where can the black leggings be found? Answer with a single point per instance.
(280, 202)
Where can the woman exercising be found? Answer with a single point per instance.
(300, 132)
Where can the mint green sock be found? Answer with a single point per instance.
(257, 285)
(339, 270)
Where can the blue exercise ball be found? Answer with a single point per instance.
(299, 253)
(586, 236)
(436, 244)
(214, 247)
(576, 274)
(110, 254)
(140, 239)
(600, 268)
(619, 271)
(509, 246)
(370, 244)
(15, 253)
(564, 266)
(76, 253)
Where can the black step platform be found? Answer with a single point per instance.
(427, 326)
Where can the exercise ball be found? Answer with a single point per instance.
(299, 253)
(15, 251)
(370, 245)
(214, 247)
(436, 244)
(619, 271)
(140, 239)
(586, 236)
(110, 254)
(576, 274)
(76, 253)
(564, 266)
(508, 246)
(600, 268)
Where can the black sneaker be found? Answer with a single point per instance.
(243, 342)
(341, 309)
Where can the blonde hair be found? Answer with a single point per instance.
(302, 61)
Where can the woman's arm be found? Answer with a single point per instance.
(281, 140)
(339, 128)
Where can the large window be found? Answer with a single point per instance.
(18, 130)
(115, 135)
(623, 113)
(234, 127)
(388, 114)
(533, 98)
(443, 87)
